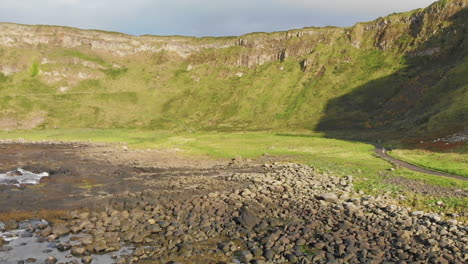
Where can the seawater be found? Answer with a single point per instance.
(23, 244)
(20, 177)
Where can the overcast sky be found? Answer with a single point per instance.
(199, 17)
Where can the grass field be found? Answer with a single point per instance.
(340, 156)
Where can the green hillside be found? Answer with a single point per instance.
(405, 72)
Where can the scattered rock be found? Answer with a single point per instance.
(60, 230)
(51, 260)
(248, 218)
(329, 197)
(78, 250)
(245, 256)
(286, 213)
(63, 246)
(87, 259)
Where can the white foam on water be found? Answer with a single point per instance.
(11, 235)
(25, 177)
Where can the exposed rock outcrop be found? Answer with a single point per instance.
(258, 48)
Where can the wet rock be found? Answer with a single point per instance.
(63, 246)
(14, 173)
(51, 238)
(139, 251)
(120, 260)
(87, 259)
(11, 225)
(78, 250)
(5, 248)
(60, 230)
(99, 245)
(51, 260)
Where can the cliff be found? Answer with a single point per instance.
(309, 78)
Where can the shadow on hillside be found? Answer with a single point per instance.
(400, 105)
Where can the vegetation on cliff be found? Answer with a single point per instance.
(404, 72)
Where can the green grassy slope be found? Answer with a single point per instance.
(402, 72)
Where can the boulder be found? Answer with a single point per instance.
(247, 218)
(60, 230)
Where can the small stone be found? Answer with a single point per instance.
(185, 250)
(405, 234)
(417, 213)
(292, 258)
(63, 246)
(139, 251)
(77, 250)
(245, 256)
(51, 260)
(269, 254)
(99, 245)
(120, 260)
(329, 197)
(213, 195)
(87, 259)
(434, 217)
(452, 222)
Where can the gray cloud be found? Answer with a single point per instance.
(199, 18)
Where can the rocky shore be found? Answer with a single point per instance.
(285, 213)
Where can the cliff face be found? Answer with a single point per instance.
(282, 79)
(383, 33)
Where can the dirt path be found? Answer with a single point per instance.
(380, 151)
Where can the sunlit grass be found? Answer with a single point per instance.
(450, 162)
(325, 154)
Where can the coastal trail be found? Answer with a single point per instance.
(381, 152)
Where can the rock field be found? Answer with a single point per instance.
(287, 213)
